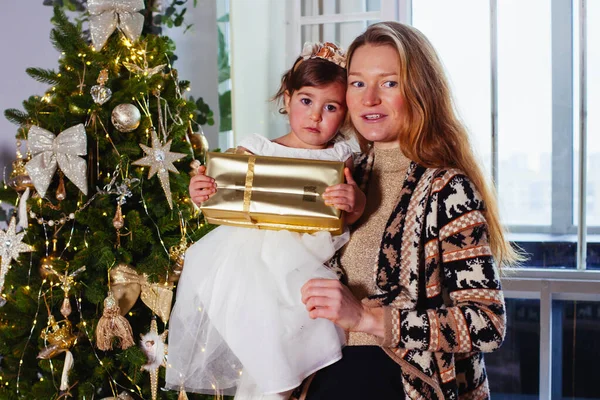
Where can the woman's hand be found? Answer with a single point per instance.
(201, 187)
(330, 299)
(347, 197)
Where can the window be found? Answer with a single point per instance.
(523, 73)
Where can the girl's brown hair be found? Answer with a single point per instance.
(432, 134)
(309, 72)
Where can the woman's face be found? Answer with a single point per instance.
(375, 102)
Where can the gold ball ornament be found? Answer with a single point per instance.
(126, 117)
(19, 178)
(199, 144)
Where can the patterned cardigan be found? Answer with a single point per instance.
(438, 285)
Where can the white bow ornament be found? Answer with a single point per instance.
(107, 15)
(50, 151)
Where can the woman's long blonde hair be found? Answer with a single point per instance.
(432, 134)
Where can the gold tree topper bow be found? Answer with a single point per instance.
(107, 15)
(127, 285)
(50, 151)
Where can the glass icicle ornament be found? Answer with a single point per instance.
(118, 221)
(65, 309)
(61, 192)
(199, 143)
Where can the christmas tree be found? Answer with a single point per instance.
(101, 196)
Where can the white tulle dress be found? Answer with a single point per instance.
(238, 320)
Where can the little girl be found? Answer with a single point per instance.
(238, 320)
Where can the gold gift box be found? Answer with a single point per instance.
(272, 192)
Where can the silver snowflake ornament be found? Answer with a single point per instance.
(160, 160)
(11, 246)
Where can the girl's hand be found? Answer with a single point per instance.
(201, 187)
(330, 299)
(347, 197)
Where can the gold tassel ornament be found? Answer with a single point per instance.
(112, 324)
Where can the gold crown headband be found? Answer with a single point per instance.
(327, 51)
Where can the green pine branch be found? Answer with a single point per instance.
(16, 116)
(43, 75)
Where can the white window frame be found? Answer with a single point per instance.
(394, 10)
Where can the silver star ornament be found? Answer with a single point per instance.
(11, 246)
(160, 160)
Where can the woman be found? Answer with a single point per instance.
(423, 257)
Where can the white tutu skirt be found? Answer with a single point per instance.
(239, 311)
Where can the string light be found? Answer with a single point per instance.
(37, 311)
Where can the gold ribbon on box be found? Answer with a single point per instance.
(248, 186)
(272, 193)
(127, 286)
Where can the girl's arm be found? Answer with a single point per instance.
(202, 187)
(347, 196)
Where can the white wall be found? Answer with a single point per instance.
(25, 33)
(197, 63)
(258, 54)
(25, 43)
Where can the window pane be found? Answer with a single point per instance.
(593, 129)
(460, 32)
(513, 370)
(341, 33)
(525, 111)
(328, 7)
(593, 119)
(576, 351)
(546, 251)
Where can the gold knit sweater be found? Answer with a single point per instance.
(359, 258)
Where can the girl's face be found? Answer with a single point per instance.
(316, 113)
(375, 102)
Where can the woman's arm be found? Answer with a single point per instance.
(475, 318)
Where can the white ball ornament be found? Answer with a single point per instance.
(126, 117)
